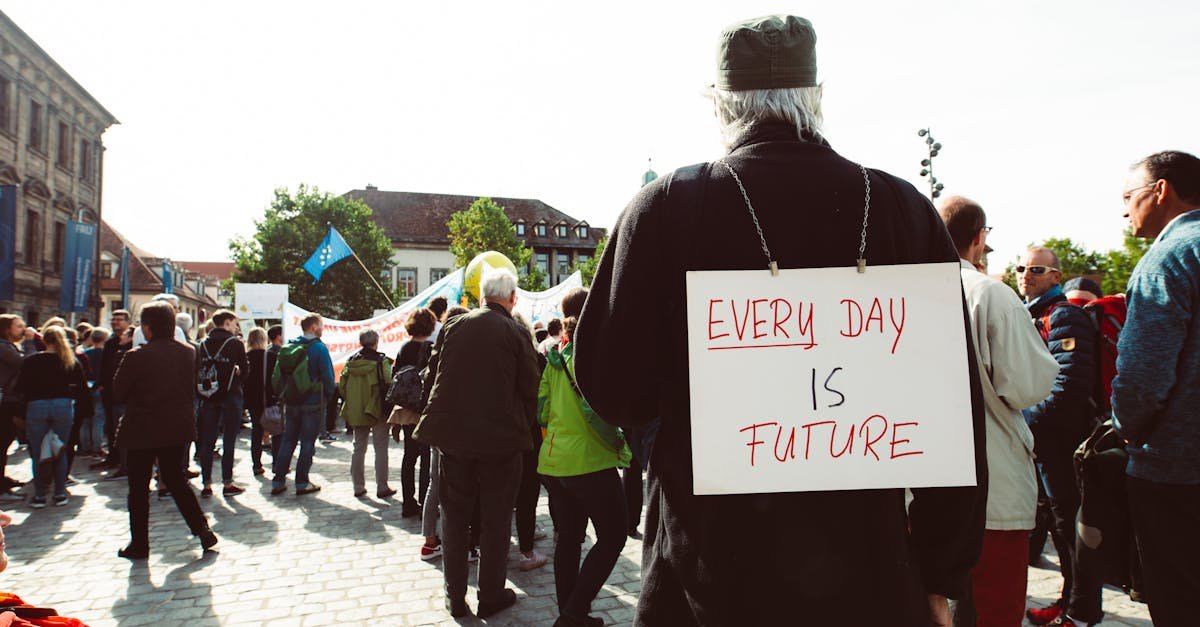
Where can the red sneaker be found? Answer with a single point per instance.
(431, 552)
(1043, 615)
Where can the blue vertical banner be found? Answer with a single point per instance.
(168, 278)
(78, 267)
(8, 241)
(125, 278)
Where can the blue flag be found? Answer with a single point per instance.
(8, 241)
(332, 250)
(77, 267)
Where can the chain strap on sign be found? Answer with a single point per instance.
(771, 264)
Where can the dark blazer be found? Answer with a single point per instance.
(840, 557)
(157, 384)
(482, 386)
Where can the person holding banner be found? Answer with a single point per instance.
(846, 557)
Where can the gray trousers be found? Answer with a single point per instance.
(429, 511)
(494, 480)
(378, 435)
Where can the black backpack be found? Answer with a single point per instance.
(208, 381)
(1104, 526)
(408, 384)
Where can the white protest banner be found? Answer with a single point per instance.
(341, 336)
(259, 301)
(827, 379)
(543, 306)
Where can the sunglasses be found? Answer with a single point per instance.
(1037, 270)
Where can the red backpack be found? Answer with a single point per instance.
(1108, 315)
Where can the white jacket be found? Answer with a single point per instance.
(1016, 371)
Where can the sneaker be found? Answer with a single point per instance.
(532, 560)
(429, 553)
(232, 490)
(328, 437)
(71, 481)
(61, 499)
(473, 555)
(206, 492)
(1044, 615)
(1066, 621)
(308, 489)
(37, 502)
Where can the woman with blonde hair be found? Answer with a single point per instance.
(54, 388)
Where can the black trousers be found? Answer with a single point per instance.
(1166, 519)
(493, 482)
(413, 495)
(1081, 588)
(631, 480)
(256, 437)
(8, 433)
(141, 467)
(597, 496)
(527, 498)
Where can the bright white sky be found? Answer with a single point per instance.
(1041, 106)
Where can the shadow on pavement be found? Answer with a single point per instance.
(178, 583)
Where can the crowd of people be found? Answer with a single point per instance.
(491, 410)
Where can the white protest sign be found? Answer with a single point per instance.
(544, 306)
(259, 301)
(827, 379)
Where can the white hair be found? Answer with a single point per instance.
(173, 299)
(497, 284)
(737, 111)
(183, 320)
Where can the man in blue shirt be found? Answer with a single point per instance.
(1156, 394)
(303, 421)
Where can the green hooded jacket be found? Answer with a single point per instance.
(577, 441)
(362, 385)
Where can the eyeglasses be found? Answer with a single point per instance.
(1128, 195)
(1037, 270)
(987, 229)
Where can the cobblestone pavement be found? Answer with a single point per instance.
(288, 560)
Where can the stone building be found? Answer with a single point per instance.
(416, 224)
(52, 154)
(198, 292)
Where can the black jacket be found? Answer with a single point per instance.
(1062, 421)
(482, 386)
(232, 367)
(259, 393)
(845, 558)
(42, 377)
(157, 384)
(10, 363)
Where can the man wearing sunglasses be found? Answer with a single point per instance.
(1059, 424)
(1156, 393)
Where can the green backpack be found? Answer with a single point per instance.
(290, 378)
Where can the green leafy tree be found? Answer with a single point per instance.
(288, 233)
(1074, 259)
(588, 268)
(484, 226)
(1119, 263)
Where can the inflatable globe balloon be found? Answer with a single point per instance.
(474, 272)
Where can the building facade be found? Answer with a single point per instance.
(416, 223)
(51, 152)
(148, 275)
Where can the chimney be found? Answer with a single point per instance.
(372, 188)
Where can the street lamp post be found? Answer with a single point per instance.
(935, 188)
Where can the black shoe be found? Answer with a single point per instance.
(164, 494)
(386, 494)
(208, 540)
(308, 489)
(506, 600)
(635, 534)
(457, 608)
(279, 490)
(259, 471)
(410, 509)
(134, 553)
(588, 621)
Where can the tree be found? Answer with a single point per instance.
(588, 268)
(1115, 265)
(1119, 263)
(484, 226)
(292, 228)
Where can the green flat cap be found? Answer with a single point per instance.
(772, 52)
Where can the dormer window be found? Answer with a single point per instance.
(582, 231)
(539, 229)
(520, 229)
(561, 230)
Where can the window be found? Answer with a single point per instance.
(542, 261)
(85, 160)
(37, 128)
(564, 264)
(582, 231)
(5, 104)
(32, 235)
(581, 259)
(387, 277)
(561, 230)
(437, 274)
(539, 230)
(406, 281)
(106, 269)
(64, 146)
(60, 241)
(520, 229)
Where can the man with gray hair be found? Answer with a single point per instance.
(362, 386)
(139, 338)
(481, 398)
(844, 558)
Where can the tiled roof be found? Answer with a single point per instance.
(419, 218)
(141, 277)
(217, 269)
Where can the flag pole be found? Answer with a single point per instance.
(373, 280)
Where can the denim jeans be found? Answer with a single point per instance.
(430, 511)
(219, 417)
(301, 423)
(41, 418)
(91, 435)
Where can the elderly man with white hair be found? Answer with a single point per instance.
(782, 197)
(139, 338)
(482, 395)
